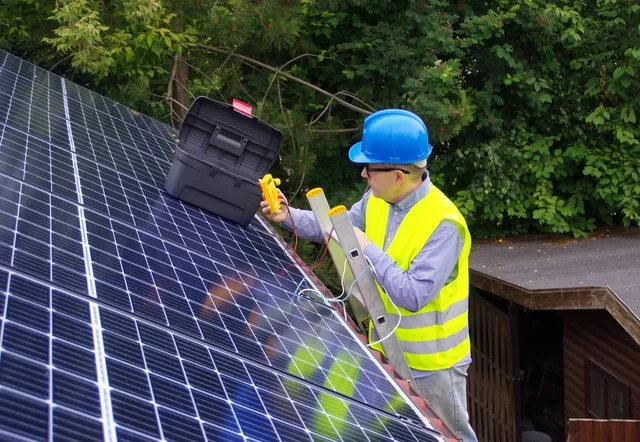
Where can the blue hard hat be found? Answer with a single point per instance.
(393, 136)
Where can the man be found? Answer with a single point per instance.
(418, 244)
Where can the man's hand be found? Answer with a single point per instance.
(281, 215)
(363, 239)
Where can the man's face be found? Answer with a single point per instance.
(384, 180)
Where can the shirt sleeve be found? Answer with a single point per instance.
(305, 224)
(428, 272)
(358, 210)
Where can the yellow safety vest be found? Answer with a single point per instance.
(435, 337)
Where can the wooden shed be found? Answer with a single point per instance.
(555, 329)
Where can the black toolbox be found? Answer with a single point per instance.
(222, 152)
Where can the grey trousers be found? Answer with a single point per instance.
(446, 392)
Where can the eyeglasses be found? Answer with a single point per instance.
(384, 169)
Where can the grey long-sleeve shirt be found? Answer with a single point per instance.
(431, 269)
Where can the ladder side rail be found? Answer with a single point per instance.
(369, 290)
(320, 207)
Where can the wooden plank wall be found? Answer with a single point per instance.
(491, 390)
(597, 336)
(595, 430)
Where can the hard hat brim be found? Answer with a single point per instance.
(357, 156)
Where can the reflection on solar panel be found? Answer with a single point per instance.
(125, 314)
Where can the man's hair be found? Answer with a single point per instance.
(421, 164)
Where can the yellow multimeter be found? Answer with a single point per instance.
(270, 191)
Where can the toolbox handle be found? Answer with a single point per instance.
(230, 144)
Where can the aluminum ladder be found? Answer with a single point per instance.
(364, 297)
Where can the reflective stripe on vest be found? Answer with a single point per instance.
(437, 336)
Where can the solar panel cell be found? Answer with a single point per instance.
(23, 416)
(75, 393)
(135, 414)
(75, 427)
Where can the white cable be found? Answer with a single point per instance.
(315, 292)
(392, 303)
(339, 297)
(324, 298)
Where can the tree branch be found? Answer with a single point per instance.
(174, 101)
(207, 77)
(355, 97)
(284, 74)
(174, 71)
(279, 71)
(326, 108)
(336, 131)
(286, 119)
(304, 172)
(62, 60)
(184, 87)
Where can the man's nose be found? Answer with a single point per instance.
(364, 173)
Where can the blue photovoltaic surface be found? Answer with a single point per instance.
(162, 385)
(127, 313)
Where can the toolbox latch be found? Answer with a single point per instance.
(242, 107)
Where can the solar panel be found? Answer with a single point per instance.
(126, 314)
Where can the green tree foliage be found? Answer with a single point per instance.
(532, 105)
(23, 24)
(554, 145)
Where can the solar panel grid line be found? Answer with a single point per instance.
(245, 267)
(50, 362)
(224, 383)
(97, 106)
(172, 215)
(34, 323)
(46, 252)
(107, 107)
(103, 383)
(117, 154)
(28, 371)
(15, 238)
(29, 159)
(134, 149)
(354, 336)
(10, 101)
(3, 315)
(187, 229)
(153, 282)
(159, 284)
(138, 321)
(153, 398)
(43, 111)
(327, 326)
(164, 345)
(153, 145)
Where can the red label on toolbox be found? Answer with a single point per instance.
(242, 107)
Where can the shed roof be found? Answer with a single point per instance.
(601, 271)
